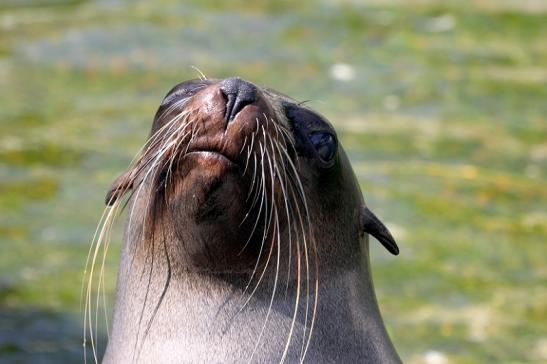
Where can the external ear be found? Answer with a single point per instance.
(372, 225)
(119, 188)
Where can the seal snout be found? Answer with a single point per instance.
(228, 117)
(238, 94)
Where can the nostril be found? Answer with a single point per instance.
(238, 93)
(239, 104)
(230, 101)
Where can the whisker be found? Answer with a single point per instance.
(165, 139)
(201, 74)
(289, 228)
(263, 202)
(302, 197)
(277, 232)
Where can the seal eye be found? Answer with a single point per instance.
(324, 144)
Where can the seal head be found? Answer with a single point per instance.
(246, 237)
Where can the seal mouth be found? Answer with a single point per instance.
(212, 154)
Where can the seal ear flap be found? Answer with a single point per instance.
(372, 225)
(119, 188)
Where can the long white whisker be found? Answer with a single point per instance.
(262, 203)
(302, 194)
(289, 228)
(201, 74)
(276, 227)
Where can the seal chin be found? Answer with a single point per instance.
(207, 205)
(207, 187)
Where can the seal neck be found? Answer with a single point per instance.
(187, 313)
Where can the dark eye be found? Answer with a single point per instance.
(324, 144)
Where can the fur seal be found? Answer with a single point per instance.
(247, 237)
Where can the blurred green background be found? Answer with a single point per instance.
(442, 106)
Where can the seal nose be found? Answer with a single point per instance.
(238, 93)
